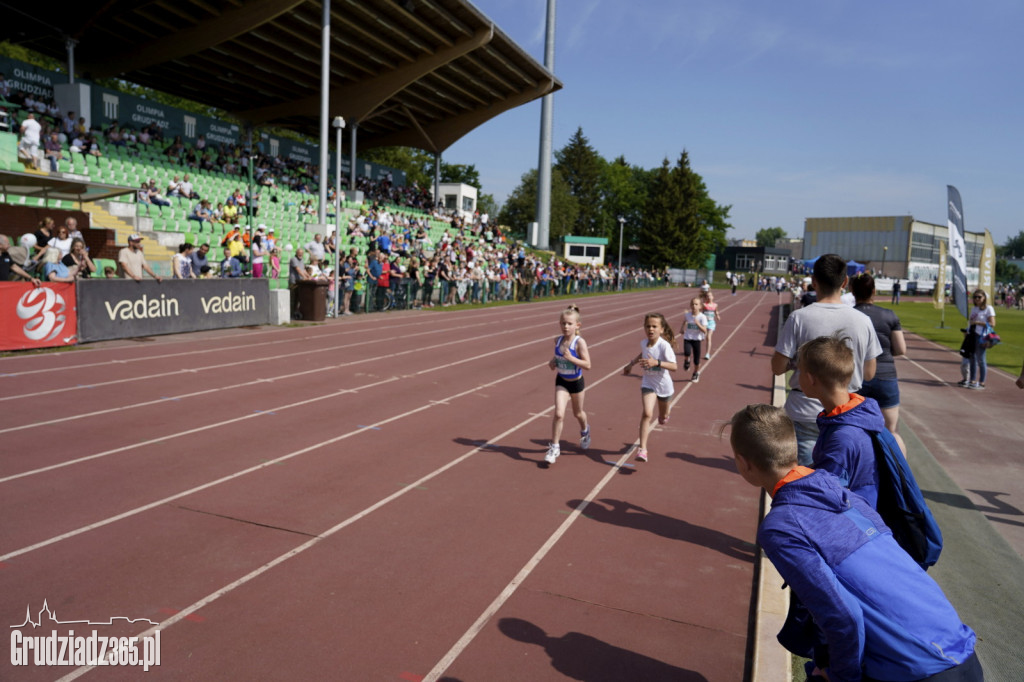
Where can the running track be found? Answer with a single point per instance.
(363, 499)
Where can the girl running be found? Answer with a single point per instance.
(570, 359)
(710, 309)
(695, 325)
(657, 358)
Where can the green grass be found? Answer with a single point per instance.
(921, 318)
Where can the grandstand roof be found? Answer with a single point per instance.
(416, 73)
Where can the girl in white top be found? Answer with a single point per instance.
(981, 315)
(695, 326)
(657, 358)
(571, 357)
(710, 309)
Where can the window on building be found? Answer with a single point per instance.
(593, 252)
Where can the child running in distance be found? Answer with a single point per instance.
(570, 359)
(710, 309)
(657, 358)
(695, 325)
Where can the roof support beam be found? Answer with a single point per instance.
(438, 136)
(207, 34)
(357, 101)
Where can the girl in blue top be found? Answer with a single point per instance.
(570, 359)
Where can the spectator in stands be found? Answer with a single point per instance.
(297, 272)
(115, 136)
(28, 147)
(259, 252)
(132, 261)
(237, 248)
(54, 270)
(10, 267)
(79, 257)
(187, 190)
(199, 260)
(316, 247)
(229, 265)
(61, 241)
(54, 152)
(202, 213)
(217, 215)
(45, 232)
(181, 262)
(275, 263)
(174, 189)
(73, 231)
(231, 212)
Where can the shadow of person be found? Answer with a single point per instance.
(582, 657)
(510, 451)
(629, 515)
(723, 463)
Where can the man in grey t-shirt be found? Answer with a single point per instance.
(825, 317)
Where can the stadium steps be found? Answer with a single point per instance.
(158, 255)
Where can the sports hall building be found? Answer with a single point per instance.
(894, 246)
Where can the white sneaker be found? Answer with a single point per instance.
(553, 452)
(707, 356)
(585, 439)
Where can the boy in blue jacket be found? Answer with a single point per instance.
(844, 446)
(879, 614)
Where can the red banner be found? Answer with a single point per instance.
(37, 318)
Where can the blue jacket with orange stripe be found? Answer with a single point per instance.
(845, 447)
(880, 615)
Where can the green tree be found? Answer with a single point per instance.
(417, 164)
(583, 170)
(625, 195)
(682, 225)
(520, 208)
(485, 203)
(769, 235)
(458, 172)
(1013, 248)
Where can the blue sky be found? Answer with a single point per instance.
(789, 110)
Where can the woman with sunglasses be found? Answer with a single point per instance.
(982, 315)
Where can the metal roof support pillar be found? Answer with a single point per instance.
(437, 179)
(70, 44)
(352, 160)
(546, 118)
(325, 93)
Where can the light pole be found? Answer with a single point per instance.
(622, 222)
(339, 125)
(885, 250)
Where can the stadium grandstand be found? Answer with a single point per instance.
(415, 73)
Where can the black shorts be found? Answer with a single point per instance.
(571, 385)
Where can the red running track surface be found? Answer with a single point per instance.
(364, 499)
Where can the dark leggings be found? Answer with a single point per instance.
(692, 345)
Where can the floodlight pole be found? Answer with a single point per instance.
(325, 89)
(546, 124)
(339, 125)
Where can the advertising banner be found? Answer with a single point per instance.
(957, 249)
(120, 309)
(40, 317)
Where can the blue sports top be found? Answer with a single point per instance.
(566, 369)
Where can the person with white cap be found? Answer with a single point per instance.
(133, 262)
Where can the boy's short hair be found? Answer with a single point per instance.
(829, 272)
(764, 436)
(828, 358)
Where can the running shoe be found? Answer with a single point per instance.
(686, 362)
(963, 384)
(696, 377)
(553, 452)
(663, 420)
(707, 356)
(641, 455)
(585, 438)
(977, 387)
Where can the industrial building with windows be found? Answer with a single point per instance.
(899, 247)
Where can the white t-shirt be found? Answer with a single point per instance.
(690, 329)
(823, 319)
(979, 318)
(658, 379)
